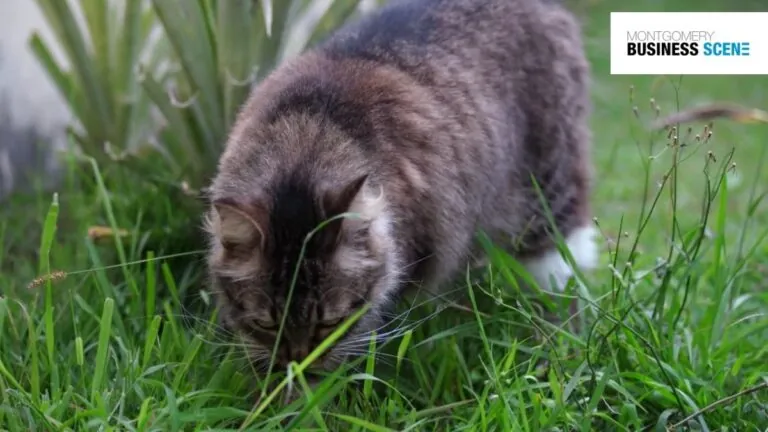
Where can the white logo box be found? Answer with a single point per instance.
(741, 39)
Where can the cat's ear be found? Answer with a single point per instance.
(239, 225)
(358, 198)
(341, 200)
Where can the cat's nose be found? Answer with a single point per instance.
(299, 352)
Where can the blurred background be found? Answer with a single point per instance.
(33, 114)
(36, 47)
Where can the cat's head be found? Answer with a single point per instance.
(256, 242)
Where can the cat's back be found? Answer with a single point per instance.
(416, 34)
(454, 105)
(504, 63)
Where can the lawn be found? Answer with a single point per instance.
(123, 336)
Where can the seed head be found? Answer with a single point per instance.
(53, 277)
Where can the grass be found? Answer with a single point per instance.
(123, 336)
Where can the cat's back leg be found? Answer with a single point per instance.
(551, 177)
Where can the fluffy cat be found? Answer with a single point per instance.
(427, 120)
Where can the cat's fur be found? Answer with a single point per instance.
(427, 118)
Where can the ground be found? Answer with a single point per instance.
(676, 314)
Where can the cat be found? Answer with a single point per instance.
(406, 132)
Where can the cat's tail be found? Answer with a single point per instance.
(727, 110)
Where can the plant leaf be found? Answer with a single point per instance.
(63, 22)
(185, 24)
(266, 7)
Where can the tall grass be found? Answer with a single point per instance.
(97, 331)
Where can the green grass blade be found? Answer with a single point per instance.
(9, 377)
(3, 316)
(144, 415)
(105, 196)
(370, 364)
(79, 352)
(151, 282)
(105, 330)
(402, 349)
(723, 303)
(364, 424)
(189, 357)
(33, 369)
(48, 236)
(149, 341)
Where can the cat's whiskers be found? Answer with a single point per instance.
(403, 316)
(200, 325)
(416, 261)
(343, 289)
(363, 340)
(387, 359)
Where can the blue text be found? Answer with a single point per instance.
(724, 49)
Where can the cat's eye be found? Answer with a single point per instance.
(331, 323)
(266, 325)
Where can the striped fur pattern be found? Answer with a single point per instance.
(427, 120)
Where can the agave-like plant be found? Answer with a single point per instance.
(154, 86)
(168, 76)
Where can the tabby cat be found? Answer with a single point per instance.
(405, 133)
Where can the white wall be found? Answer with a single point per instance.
(27, 98)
